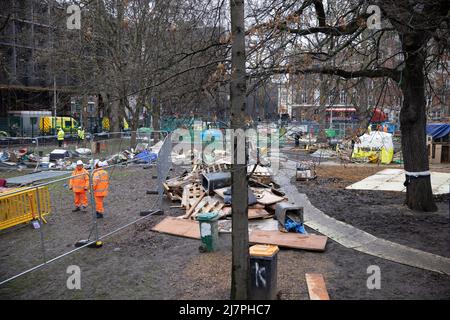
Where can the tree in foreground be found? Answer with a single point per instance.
(347, 39)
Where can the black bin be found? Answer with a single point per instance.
(263, 272)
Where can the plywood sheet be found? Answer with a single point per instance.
(289, 240)
(178, 227)
(393, 179)
(316, 287)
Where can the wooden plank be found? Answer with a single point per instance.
(257, 206)
(316, 287)
(178, 227)
(218, 207)
(198, 209)
(184, 201)
(257, 213)
(289, 240)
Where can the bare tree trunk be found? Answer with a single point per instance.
(419, 195)
(134, 127)
(156, 115)
(135, 120)
(239, 189)
(156, 119)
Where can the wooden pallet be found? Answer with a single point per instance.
(208, 204)
(221, 167)
(262, 177)
(191, 193)
(171, 194)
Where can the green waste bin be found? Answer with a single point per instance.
(209, 230)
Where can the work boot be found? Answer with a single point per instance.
(83, 208)
(76, 209)
(99, 215)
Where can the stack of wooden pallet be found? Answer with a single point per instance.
(188, 190)
(174, 187)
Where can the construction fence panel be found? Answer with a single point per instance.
(134, 169)
(163, 166)
(50, 229)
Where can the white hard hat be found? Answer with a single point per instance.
(79, 162)
(96, 162)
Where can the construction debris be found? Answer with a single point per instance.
(197, 196)
(207, 189)
(305, 171)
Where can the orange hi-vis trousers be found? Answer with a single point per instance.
(99, 204)
(80, 199)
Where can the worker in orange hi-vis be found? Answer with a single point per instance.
(100, 183)
(79, 184)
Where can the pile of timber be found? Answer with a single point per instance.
(187, 189)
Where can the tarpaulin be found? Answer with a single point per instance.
(146, 157)
(438, 130)
(294, 226)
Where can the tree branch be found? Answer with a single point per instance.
(376, 73)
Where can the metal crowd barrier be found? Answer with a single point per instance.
(23, 205)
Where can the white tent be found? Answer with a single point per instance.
(375, 143)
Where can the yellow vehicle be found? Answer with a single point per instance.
(49, 124)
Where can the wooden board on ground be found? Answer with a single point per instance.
(316, 287)
(289, 240)
(178, 227)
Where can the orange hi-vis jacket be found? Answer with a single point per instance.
(80, 181)
(100, 183)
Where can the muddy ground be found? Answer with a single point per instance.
(378, 212)
(137, 263)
